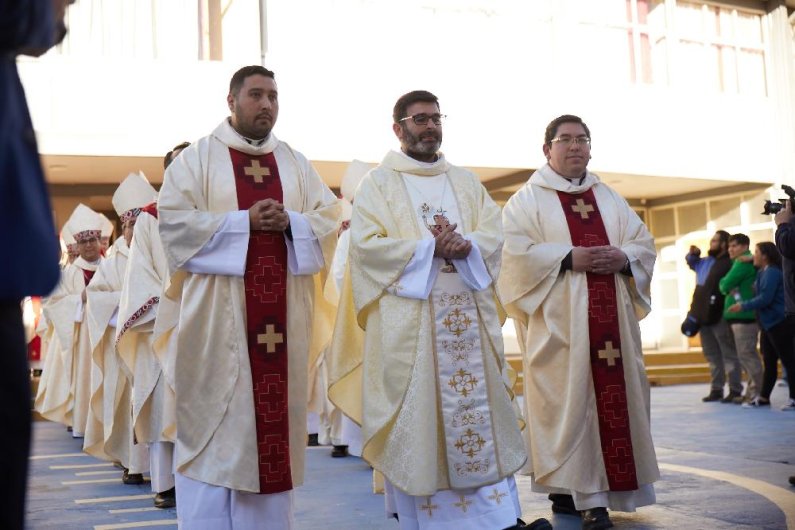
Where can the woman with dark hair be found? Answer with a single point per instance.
(778, 329)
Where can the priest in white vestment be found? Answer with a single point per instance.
(246, 224)
(66, 394)
(577, 267)
(429, 384)
(153, 399)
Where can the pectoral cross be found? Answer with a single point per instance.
(609, 353)
(582, 208)
(270, 338)
(256, 171)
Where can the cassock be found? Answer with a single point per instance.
(153, 399)
(246, 300)
(585, 387)
(65, 397)
(428, 380)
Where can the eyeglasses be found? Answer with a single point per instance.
(422, 119)
(566, 141)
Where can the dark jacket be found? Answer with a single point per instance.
(707, 305)
(769, 300)
(29, 242)
(785, 241)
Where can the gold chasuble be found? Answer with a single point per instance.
(240, 394)
(257, 178)
(588, 230)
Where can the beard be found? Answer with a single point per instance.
(713, 253)
(414, 144)
(250, 128)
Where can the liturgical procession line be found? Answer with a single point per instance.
(62, 455)
(82, 466)
(120, 498)
(138, 524)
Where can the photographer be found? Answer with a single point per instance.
(785, 241)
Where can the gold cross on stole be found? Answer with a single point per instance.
(582, 208)
(609, 353)
(257, 171)
(270, 338)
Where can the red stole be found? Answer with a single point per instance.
(265, 279)
(607, 369)
(87, 275)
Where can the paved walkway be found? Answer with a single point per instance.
(723, 467)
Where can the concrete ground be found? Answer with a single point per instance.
(723, 467)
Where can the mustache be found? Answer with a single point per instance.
(265, 115)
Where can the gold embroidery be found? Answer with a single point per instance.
(457, 322)
(497, 496)
(254, 170)
(473, 466)
(463, 382)
(582, 209)
(458, 350)
(470, 443)
(467, 414)
(463, 504)
(448, 299)
(429, 507)
(609, 353)
(270, 338)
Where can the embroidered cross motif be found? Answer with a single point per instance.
(256, 171)
(270, 338)
(582, 208)
(463, 382)
(609, 353)
(457, 322)
(463, 504)
(497, 496)
(429, 507)
(470, 443)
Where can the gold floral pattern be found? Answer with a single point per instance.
(463, 382)
(457, 322)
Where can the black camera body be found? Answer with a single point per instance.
(772, 208)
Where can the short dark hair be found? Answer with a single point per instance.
(409, 99)
(247, 71)
(740, 239)
(167, 159)
(552, 128)
(723, 236)
(769, 250)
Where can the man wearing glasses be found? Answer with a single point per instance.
(576, 271)
(424, 256)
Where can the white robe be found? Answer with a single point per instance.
(560, 405)
(102, 305)
(216, 433)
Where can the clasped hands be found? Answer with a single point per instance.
(268, 214)
(604, 259)
(450, 244)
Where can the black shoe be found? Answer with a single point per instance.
(732, 397)
(792, 480)
(563, 504)
(715, 395)
(132, 478)
(596, 519)
(166, 499)
(68, 428)
(311, 440)
(339, 451)
(538, 524)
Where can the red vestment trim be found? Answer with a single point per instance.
(607, 369)
(141, 311)
(265, 279)
(87, 275)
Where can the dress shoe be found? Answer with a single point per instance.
(538, 524)
(166, 499)
(596, 519)
(732, 397)
(563, 504)
(132, 478)
(311, 440)
(792, 480)
(715, 395)
(339, 451)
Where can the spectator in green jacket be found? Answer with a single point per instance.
(738, 286)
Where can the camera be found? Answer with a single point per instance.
(772, 208)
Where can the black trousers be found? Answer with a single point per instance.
(14, 416)
(778, 343)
